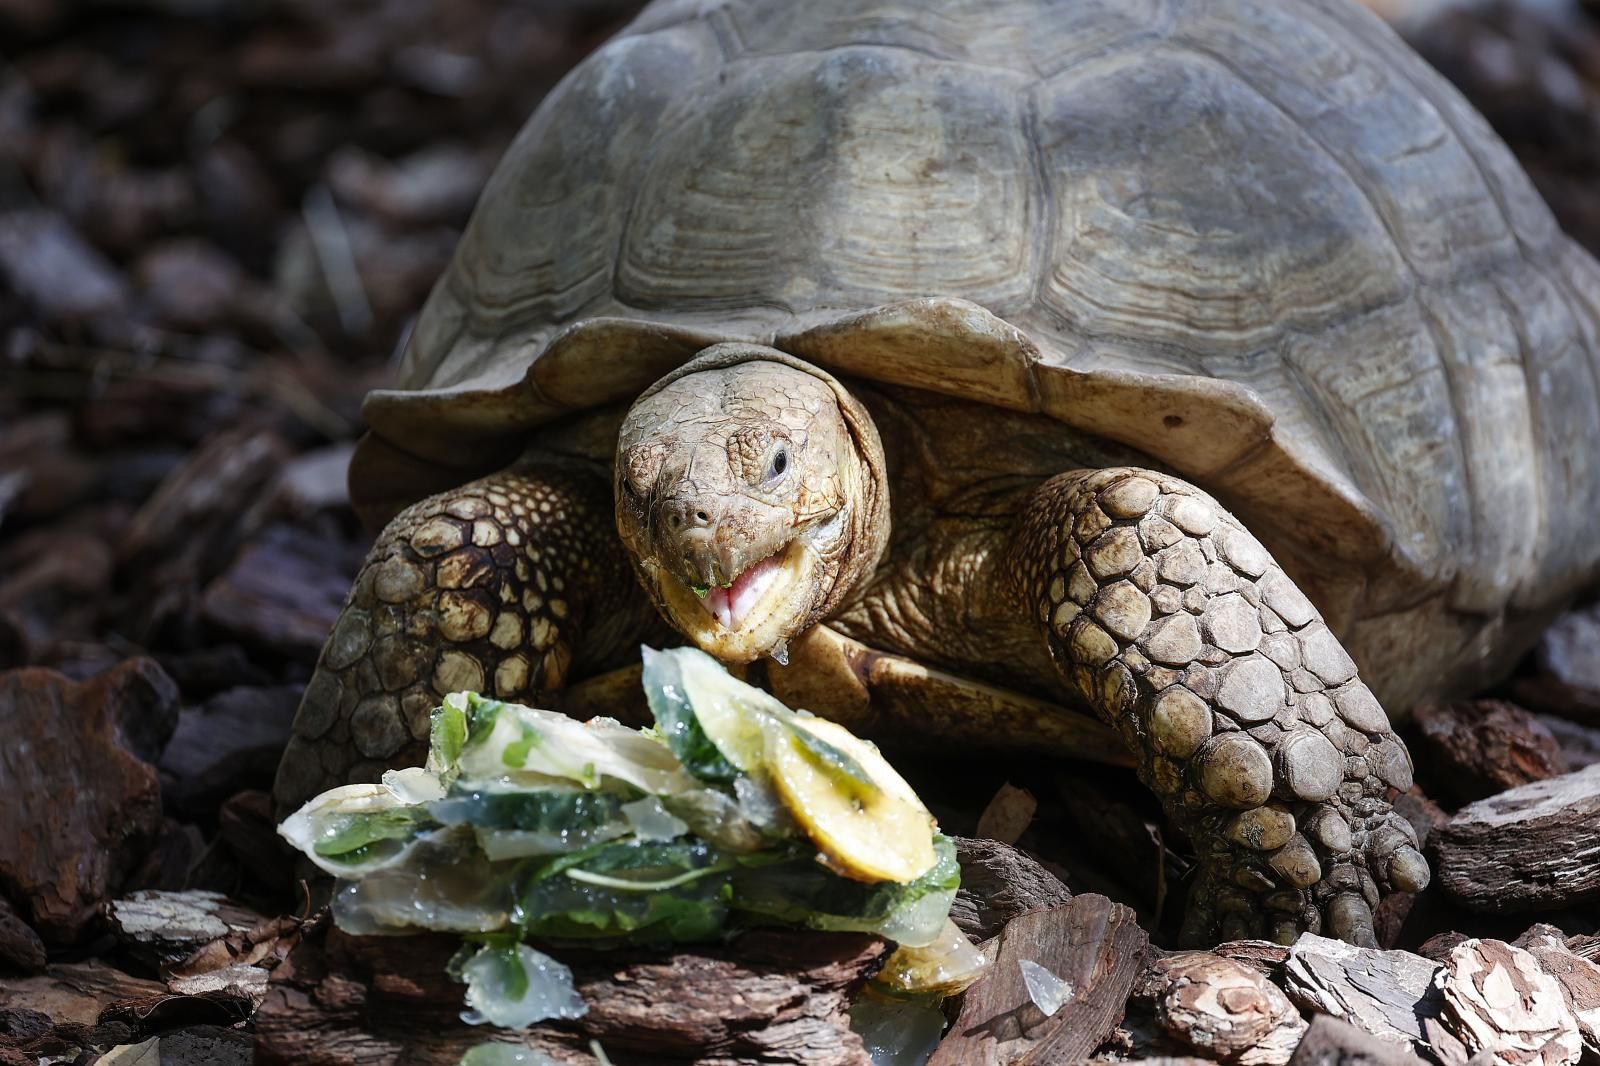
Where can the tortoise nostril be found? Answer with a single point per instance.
(682, 515)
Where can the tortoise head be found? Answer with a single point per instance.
(751, 496)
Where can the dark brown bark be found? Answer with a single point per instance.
(1093, 944)
(771, 997)
(998, 883)
(82, 804)
(1471, 750)
(1534, 847)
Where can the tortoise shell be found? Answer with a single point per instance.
(1257, 240)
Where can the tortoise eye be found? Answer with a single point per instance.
(779, 463)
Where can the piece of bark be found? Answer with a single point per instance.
(201, 1045)
(1566, 677)
(1473, 749)
(1580, 744)
(769, 997)
(1263, 956)
(283, 593)
(1008, 814)
(1534, 847)
(1388, 994)
(82, 806)
(191, 526)
(247, 829)
(1224, 1009)
(1579, 978)
(230, 743)
(1092, 944)
(998, 883)
(164, 927)
(1331, 1042)
(75, 993)
(1498, 999)
(54, 269)
(20, 947)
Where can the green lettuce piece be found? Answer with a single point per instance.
(640, 891)
(353, 838)
(676, 721)
(547, 810)
(798, 891)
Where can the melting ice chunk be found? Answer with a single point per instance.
(1048, 992)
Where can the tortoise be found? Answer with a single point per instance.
(1100, 378)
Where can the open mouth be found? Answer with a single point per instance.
(734, 605)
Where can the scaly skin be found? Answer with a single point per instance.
(1168, 618)
(1158, 610)
(498, 586)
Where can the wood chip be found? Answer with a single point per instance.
(1474, 749)
(82, 804)
(1331, 1042)
(1579, 979)
(1497, 999)
(1225, 1010)
(1556, 860)
(998, 883)
(167, 926)
(769, 997)
(1092, 944)
(1008, 814)
(1388, 994)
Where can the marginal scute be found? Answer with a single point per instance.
(349, 641)
(457, 671)
(1114, 553)
(376, 728)
(435, 537)
(463, 617)
(1182, 564)
(1194, 516)
(1261, 829)
(397, 580)
(1091, 644)
(1296, 863)
(1243, 552)
(1286, 600)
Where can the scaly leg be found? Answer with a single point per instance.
(500, 586)
(1165, 615)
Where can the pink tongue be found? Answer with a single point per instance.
(732, 605)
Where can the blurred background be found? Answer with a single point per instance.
(217, 220)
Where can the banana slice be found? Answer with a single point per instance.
(862, 816)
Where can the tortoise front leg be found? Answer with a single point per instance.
(1166, 616)
(500, 586)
